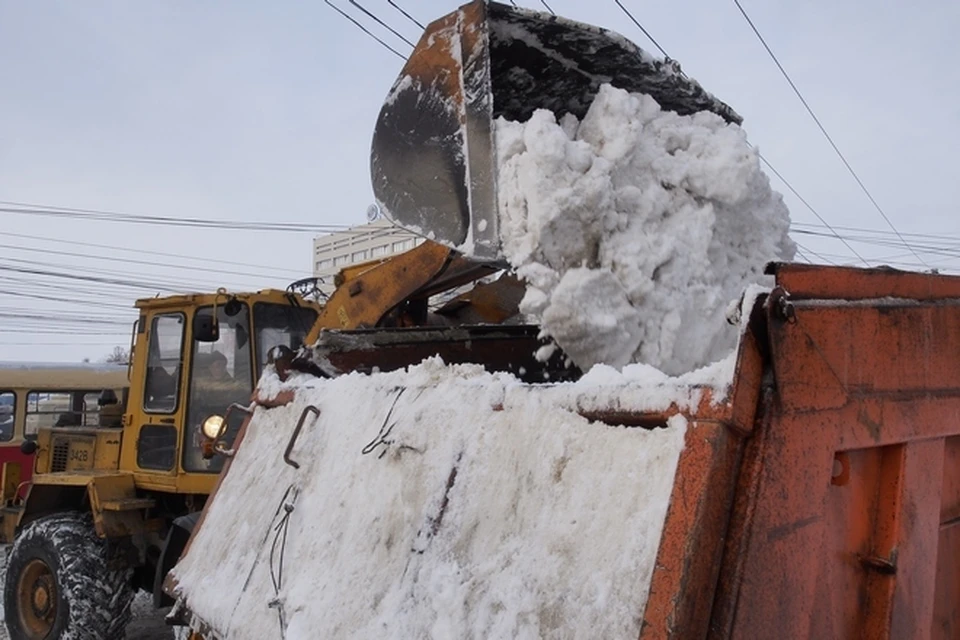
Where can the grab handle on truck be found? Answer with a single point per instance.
(296, 433)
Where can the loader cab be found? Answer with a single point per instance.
(195, 356)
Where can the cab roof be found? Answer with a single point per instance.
(220, 297)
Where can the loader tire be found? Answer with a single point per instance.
(65, 582)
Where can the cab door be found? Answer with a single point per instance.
(157, 403)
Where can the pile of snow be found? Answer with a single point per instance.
(635, 229)
(438, 502)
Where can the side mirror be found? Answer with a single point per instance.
(28, 447)
(233, 307)
(205, 328)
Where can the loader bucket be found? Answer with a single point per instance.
(433, 157)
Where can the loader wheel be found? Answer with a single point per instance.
(63, 581)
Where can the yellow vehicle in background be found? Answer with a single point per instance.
(35, 395)
(112, 502)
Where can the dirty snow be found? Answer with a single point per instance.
(440, 502)
(635, 229)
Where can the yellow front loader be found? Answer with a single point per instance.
(111, 507)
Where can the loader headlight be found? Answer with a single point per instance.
(213, 427)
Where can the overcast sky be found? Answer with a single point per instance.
(257, 111)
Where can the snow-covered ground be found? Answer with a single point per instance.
(148, 622)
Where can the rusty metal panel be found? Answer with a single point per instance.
(688, 561)
(946, 605)
(769, 577)
(838, 527)
(830, 352)
(851, 503)
(946, 611)
(849, 283)
(497, 347)
(913, 532)
(950, 495)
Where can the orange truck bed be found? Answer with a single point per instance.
(823, 501)
(820, 498)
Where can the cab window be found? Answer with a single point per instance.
(74, 408)
(221, 373)
(162, 385)
(280, 324)
(8, 406)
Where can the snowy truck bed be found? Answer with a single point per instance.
(443, 502)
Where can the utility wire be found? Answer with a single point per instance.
(152, 253)
(765, 161)
(816, 255)
(111, 216)
(810, 207)
(171, 221)
(131, 261)
(407, 15)
(803, 256)
(364, 29)
(59, 344)
(39, 296)
(380, 22)
(85, 278)
(823, 130)
(544, 3)
(640, 26)
(883, 232)
(170, 285)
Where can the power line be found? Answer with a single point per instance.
(112, 216)
(882, 232)
(810, 207)
(171, 285)
(364, 29)
(148, 252)
(942, 251)
(544, 3)
(59, 344)
(640, 26)
(407, 15)
(85, 278)
(765, 161)
(802, 255)
(130, 261)
(815, 254)
(823, 130)
(40, 296)
(380, 22)
(171, 221)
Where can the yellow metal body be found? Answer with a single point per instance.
(374, 294)
(65, 450)
(104, 461)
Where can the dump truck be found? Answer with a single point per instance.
(806, 487)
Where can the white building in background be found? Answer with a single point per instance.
(375, 240)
